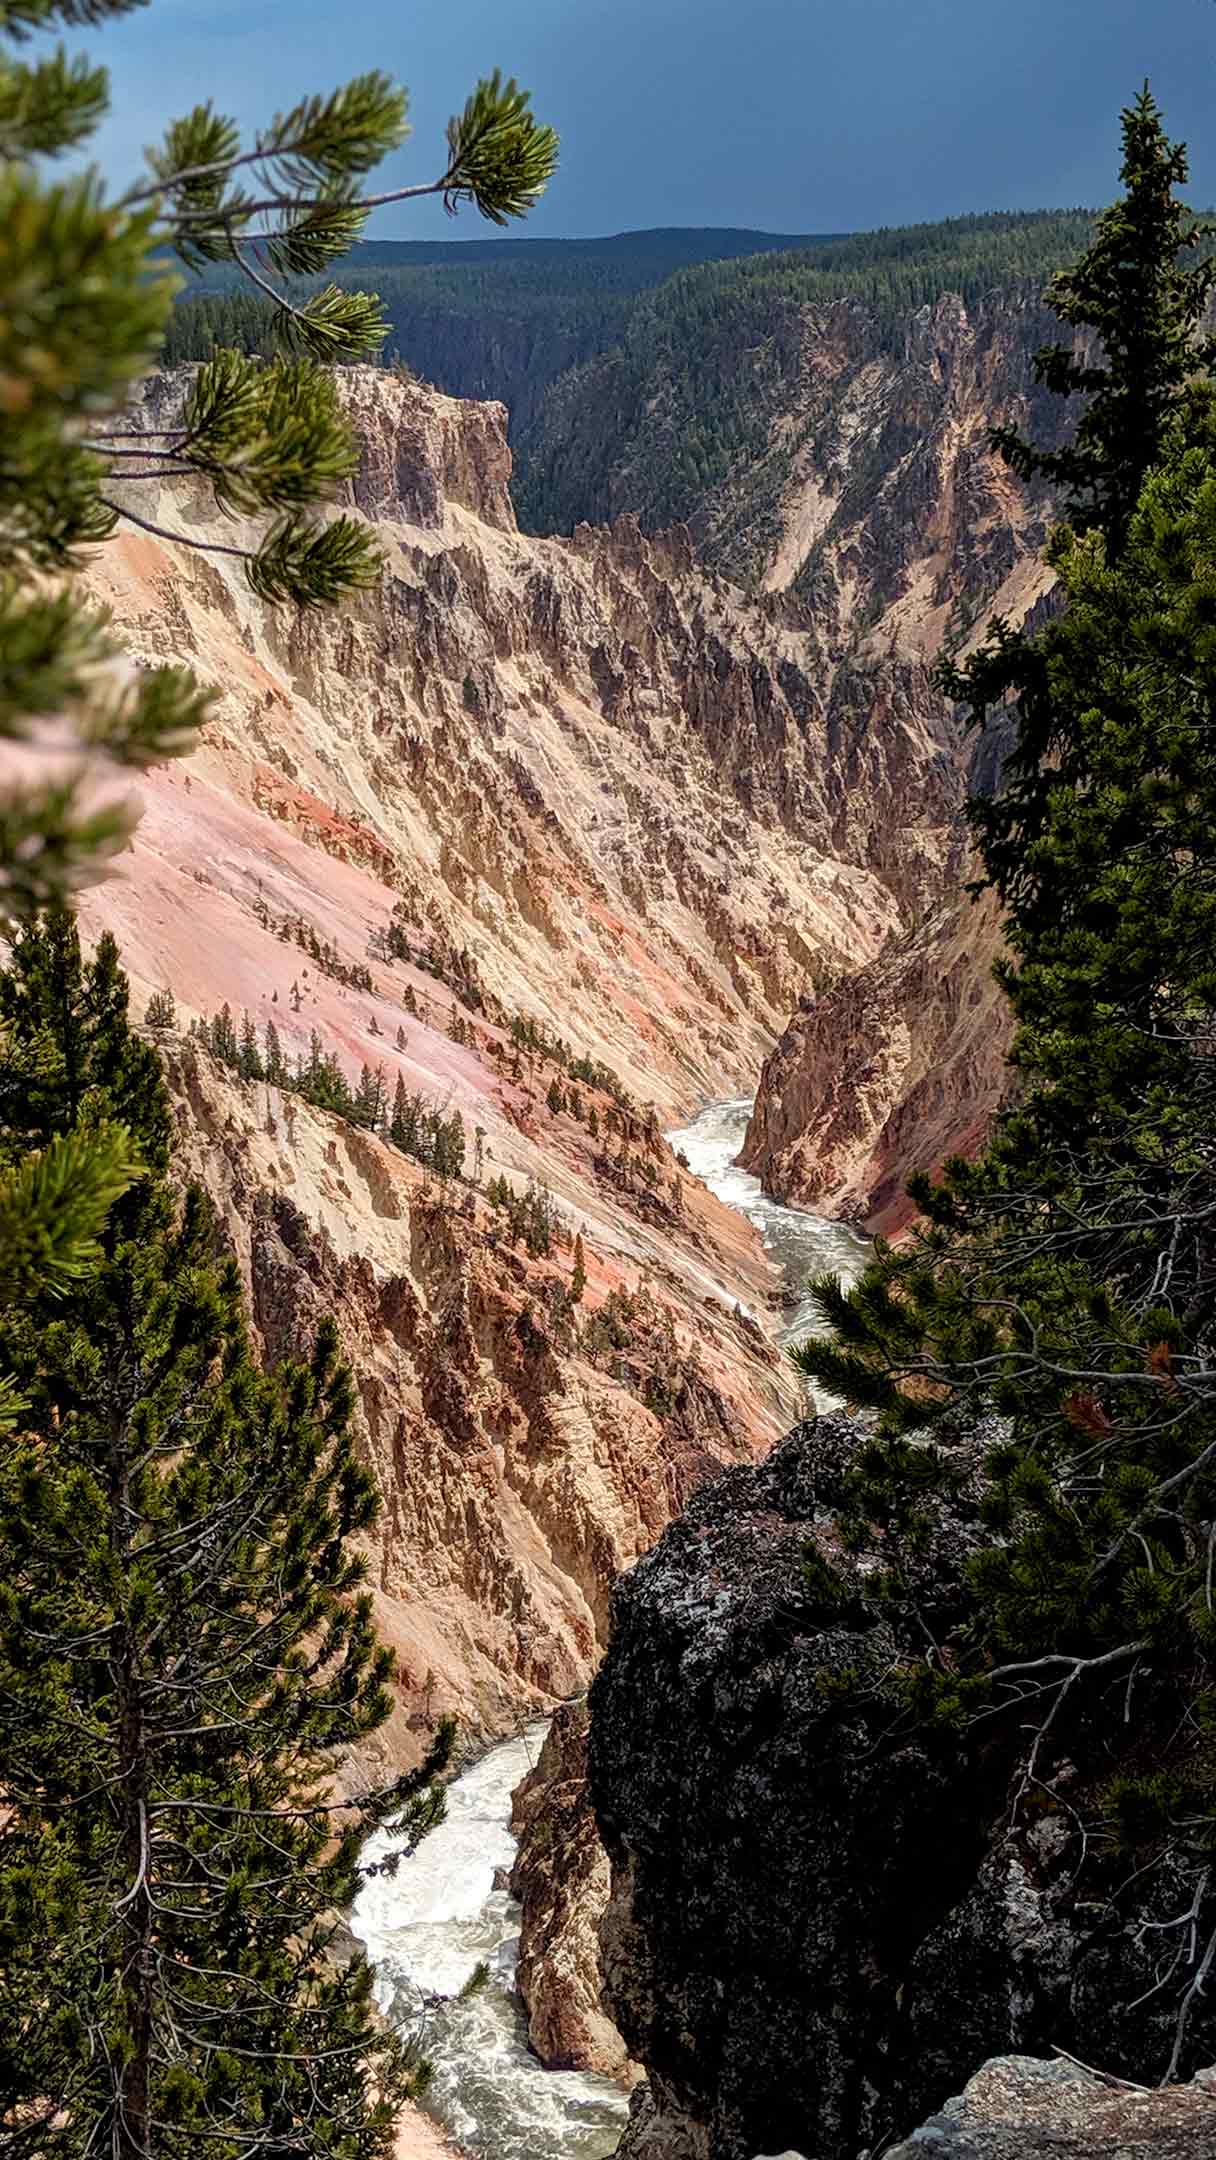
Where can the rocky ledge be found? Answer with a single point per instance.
(822, 1915)
(1019, 2110)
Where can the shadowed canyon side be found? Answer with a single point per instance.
(835, 452)
(890, 1070)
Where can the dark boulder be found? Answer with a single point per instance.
(823, 1916)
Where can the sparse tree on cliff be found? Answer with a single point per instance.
(161, 1015)
(86, 287)
(249, 1057)
(186, 1657)
(275, 1067)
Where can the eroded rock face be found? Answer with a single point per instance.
(649, 806)
(823, 1916)
(518, 1475)
(560, 1878)
(890, 1070)
(1015, 2109)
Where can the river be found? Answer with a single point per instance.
(446, 1911)
(802, 1244)
(427, 1929)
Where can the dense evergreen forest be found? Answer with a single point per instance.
(497, 319)
(643, 370)
(687, 397)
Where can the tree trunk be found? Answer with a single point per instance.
(131, 2137)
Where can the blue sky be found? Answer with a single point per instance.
(791, 115)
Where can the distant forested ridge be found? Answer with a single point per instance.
(482, 318)
(646, 371)
(711, 360)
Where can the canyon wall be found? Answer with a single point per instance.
(532, 804)
(525, 1454)
(890, 1070)
(528, 804)
(900, 518)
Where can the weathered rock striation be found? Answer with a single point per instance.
(616, 782)
(560, 1878)
(520, 1468)
(823, 1916)
(890, 1070)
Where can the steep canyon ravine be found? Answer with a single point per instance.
(444, 1912)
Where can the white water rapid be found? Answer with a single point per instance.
(428, 1927)
(802, 1244)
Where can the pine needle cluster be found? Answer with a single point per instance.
(86, 288)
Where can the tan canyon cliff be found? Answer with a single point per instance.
(608, 797)
(898, 519)
(891, 1070)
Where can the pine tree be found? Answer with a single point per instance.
(275, 1068)
(186, 1655)
(1132, 295)
(555, 1098)
(1141, 302)
(448, 1150)
(578, 1279)
(82, 1110)
(223, 1036)
(369, 1101)
(1066, 1280)
(161, 1015)
(397, 1125)
(249, 1057)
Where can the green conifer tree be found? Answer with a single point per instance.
(1067, 1279)
(275, 1067)
(186, 1655)
(161, 1015)
(1139, 303)
(249, 1057)
(223, 1039)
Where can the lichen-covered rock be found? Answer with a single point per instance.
(1014, 2109)
(823, 1916)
